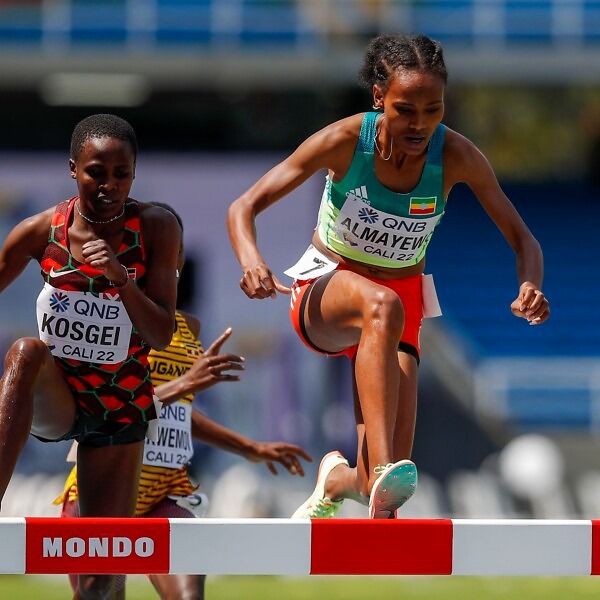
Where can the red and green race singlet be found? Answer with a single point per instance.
(86, 327)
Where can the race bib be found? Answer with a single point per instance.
(81, 326)
(173, 446)
(382, 234)
(311, 264)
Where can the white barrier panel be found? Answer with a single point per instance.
(12, 545)
(521, 547)
(253, 546)
(300, 547)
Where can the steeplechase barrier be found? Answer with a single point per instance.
(35, 545)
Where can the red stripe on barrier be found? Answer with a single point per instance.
(365, 547)
(595, 567)
(93, 545)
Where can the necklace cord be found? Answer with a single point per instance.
(94, 222)
(379, 149)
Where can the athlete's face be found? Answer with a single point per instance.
(104, 173)
(413, 106)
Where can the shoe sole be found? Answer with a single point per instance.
(322, 475)
(392, 490)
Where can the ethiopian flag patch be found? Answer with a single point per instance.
(422, 206)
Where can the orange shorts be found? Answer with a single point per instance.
(409, 291)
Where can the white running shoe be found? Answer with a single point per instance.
(318, 506)
(394, 486)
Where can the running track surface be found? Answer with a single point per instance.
(300, 547)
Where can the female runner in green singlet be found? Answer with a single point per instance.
(360, 289)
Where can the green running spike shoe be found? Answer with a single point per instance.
(395, 485)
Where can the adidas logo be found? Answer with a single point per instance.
(360, 192)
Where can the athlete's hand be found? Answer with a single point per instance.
(259, 282)
(531, 304)
(98, 254)
(213, 367)
(285, 454)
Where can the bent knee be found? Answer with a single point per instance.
(27, 352)
(385, 307)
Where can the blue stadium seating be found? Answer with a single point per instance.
(255, 23)
(20, 24)
(474, 269)
(547, 375)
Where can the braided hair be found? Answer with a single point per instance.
(387, 54)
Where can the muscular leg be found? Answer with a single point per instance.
(33, 397)
(175, 587)
(404, 432)
(107, 479)
(361, 474)
(107, 482)
(181, 587)
(377, 377)
(345, 309)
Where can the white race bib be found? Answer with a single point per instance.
(83, 327)
(382, 234)
(173, 446)
(312, 263)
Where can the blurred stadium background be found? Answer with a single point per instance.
(220, 90)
